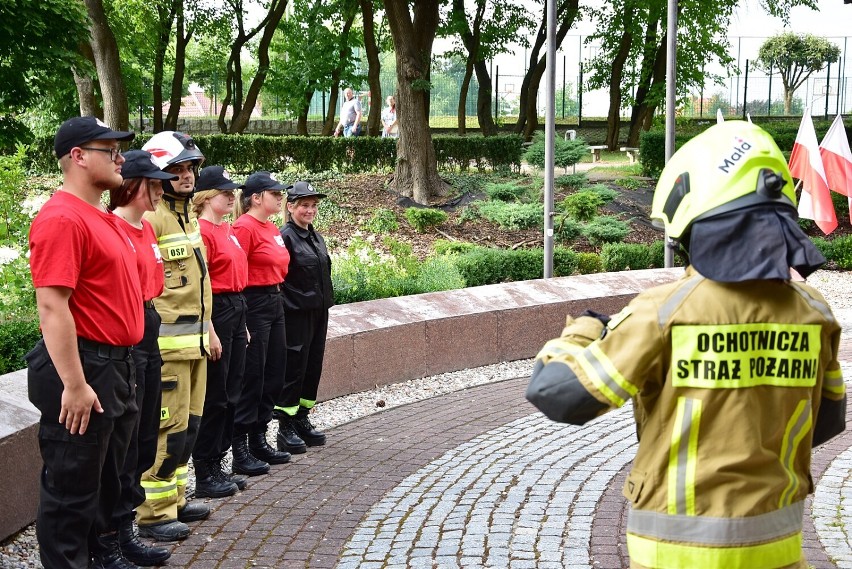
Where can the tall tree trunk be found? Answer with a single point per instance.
(302, 117)
(108, 66)
(241, 119)
(166, 16)
(483, 99)
(331, 112)
(233, 69)
(613, 119)
(416, 174)
(528, 114)
(645, 104)
(374, 67)
(85, 83)
(182, 37)
(336, 73)
(465, 86)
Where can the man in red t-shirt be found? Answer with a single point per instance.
(80, 375)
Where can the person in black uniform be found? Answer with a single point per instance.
(308, 294)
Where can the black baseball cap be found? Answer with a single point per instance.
(215, 178)
(140, 164)
(302, 189)
(260, 182)
(80, 130)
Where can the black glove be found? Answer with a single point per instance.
(602, 317)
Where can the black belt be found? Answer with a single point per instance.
(149, 304)
(104, 350)
(269, 289)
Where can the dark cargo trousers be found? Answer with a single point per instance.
(266, 359)
(224, 378)
(80, 478)
(306, 333)
(143, 443)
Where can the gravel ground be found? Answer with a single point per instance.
(20, 551)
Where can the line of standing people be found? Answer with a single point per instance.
(133, 301)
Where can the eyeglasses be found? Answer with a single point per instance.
(114, 153)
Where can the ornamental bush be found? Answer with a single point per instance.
(422, 218)
(513, 216)
(605, 229)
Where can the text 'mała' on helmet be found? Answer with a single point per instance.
(171, 147)
(730, 166)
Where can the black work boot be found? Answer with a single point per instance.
(210, 480)
(306, 431)
(241, 480)
(109, 554)
(288, 439)
(137, 552)
(193, 512)
(172, 530)
(244, 462)
(259, 447)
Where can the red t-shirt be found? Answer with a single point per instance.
(268, 258)
(226, 260)
(77, 246)
(148, 258)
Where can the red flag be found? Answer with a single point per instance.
(806, 165)
(837, 158)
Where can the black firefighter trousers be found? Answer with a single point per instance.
(80, 478)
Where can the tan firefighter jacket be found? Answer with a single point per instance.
(187, 301)
(727, 382)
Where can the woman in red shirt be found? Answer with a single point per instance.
(228, 268)
(268, 260)
(141, 191)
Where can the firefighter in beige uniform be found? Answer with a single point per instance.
(185, 340)
(732, 369)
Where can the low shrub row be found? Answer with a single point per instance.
(652, 144)
(244, 153)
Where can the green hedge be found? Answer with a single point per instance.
(652, 144)
(244, 153)
(17, 337)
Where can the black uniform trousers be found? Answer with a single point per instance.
(266, 359)
(306, 332)
(143, 443)
(80, 479)
(224, 378)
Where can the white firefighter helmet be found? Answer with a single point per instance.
(171, 147)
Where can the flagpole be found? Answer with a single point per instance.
(671, 98)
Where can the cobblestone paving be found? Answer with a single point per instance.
(473, 479)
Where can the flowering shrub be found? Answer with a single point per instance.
(362, 272)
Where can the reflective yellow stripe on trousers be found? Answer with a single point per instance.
(159, 489)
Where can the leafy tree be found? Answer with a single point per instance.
(413, 27)
(39, 42)
(305, 56)
(566, 14)
(485, 33)
(796, 57)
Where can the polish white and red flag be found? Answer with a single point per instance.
(806, 165)
(837, 159)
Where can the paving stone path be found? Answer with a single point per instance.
(472, 479)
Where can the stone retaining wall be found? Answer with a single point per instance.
(374, 343)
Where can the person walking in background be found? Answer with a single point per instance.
(80, 375)
(350, 115)
(226, 261)
(390, 126)
(268, 261)
(733, 369)
(308, 294)
(186, 338)
(141, 191)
